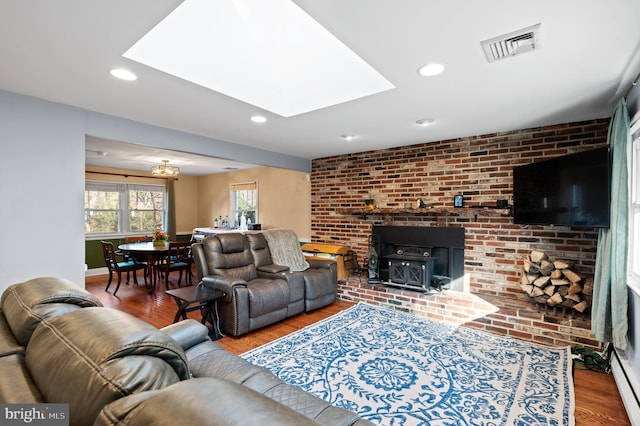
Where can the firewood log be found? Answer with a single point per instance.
(554, 300)
(575, 297)
(537, 256)
(542, 281)
(541, 299)
(549, 290)
(581, 307)
(575, 288)
(546, 267)
(572, 276)
(560, 282)
(537, 291)
(527, 288)
(562, 290)
(557, 273)
(559, 264)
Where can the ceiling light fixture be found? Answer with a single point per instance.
(165, 170)
(259, 119)
(348, 137)
(431, 70)
(123, 74)
(424, 122)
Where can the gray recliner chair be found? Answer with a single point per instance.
(224, 262)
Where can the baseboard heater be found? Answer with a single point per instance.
(627, 385)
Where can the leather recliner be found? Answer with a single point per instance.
(224, 262)
(114, 369)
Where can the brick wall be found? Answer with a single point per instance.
(480, 168)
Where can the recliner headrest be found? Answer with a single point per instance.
(25, 304)
(232, 242)
(91, 357)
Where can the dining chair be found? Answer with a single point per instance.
(178, 258)
(136, 258)
(117, 266)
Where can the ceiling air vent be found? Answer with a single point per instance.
(514, 43)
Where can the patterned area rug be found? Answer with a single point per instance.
(396, 369)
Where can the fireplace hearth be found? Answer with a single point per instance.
(420, 258)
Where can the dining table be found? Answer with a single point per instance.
(153, 255)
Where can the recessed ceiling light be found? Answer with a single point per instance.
(425, 122)
(123, 74)
(348, 137)
(431, 70)
(259, 119)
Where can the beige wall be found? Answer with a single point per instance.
(284, 198)
(186, 188)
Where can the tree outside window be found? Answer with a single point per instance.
(118, 208)
(244, 200)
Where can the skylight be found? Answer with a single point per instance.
(268, 53)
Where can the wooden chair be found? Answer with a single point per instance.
(179, 258)
(139, 259)
(114, 265)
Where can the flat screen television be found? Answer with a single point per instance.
(571, 190)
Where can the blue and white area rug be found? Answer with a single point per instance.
(396, 369)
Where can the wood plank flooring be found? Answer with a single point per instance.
(598, 401)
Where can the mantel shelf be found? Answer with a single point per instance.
(385, 211)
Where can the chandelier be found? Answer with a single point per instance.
(165, 170)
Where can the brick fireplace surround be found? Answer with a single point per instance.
(480, 169)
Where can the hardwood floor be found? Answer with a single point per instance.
(598, 401)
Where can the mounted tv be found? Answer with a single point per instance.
(571, 190)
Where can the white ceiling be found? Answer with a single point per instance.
(62, 51)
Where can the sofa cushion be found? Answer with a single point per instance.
(25, 304)
(93, 356)
(267, 296)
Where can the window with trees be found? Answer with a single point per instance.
(244, 201)
(112, 208)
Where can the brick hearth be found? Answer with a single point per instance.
(508, 317)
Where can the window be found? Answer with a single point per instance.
(117, 208)
(634, 214)
(244, 200)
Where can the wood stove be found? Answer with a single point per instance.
(411, 267)
(420, 258)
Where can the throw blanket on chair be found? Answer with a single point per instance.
(285, 249)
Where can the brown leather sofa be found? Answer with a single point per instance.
(259, 292)
(60, 346)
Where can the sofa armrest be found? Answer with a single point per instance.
(187, 333)
(224, 283)
(198, 402)
(272, 269)
(323, 264)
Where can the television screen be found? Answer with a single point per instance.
(571, 190)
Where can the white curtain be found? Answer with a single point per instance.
(609, 321)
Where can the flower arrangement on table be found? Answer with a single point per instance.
(159, 236)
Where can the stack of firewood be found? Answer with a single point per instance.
(555, 283)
